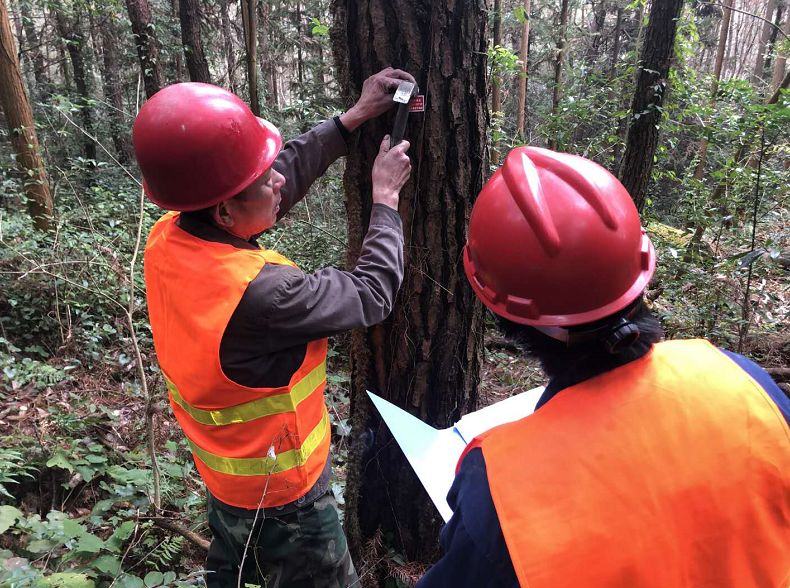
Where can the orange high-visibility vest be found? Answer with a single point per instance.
(671, 471)
(252, 446)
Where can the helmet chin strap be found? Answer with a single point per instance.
(615, 335)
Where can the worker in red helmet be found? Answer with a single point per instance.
(241, 333)
(646, 463)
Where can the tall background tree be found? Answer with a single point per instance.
(646, 106)
(22, 128)
(426, 356)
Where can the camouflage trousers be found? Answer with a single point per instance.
(302, 549)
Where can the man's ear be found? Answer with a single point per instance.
(222, 216)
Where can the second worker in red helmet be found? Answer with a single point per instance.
(646, 463)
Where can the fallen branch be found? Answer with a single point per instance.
(171, 525)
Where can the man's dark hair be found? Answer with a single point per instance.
(579, 361)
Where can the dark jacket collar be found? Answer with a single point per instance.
(199, 225)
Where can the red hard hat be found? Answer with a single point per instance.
(555, 240)
(198, 144)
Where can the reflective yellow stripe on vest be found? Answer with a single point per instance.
(255, 409)
(264, 466)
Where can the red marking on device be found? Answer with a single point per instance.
(417, 103)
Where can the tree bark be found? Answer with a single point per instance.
(189, 16)
(113, 89)
(724, 30)
(249, 16)
(267, 67)
(555, 96)
(426, 356)
(521, 107)
(21, 128)
(651, 86)
(147, 45)
(70, 31)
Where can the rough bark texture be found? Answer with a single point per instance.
(21, 127)
(249, 15)
(651, 86)
(113, 90)
(189, 16)
(147, 45)
(426, 356)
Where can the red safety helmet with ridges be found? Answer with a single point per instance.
(198, 144)
(555, 240)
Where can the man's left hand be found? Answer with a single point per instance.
(376, 97)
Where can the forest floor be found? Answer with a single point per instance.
(99, 405)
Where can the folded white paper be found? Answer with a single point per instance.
(434, 453)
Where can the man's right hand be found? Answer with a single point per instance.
(391, 171)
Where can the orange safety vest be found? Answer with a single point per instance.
(670, 471)
(252, 446)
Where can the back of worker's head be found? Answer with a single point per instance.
(198, 144)
(555, 245)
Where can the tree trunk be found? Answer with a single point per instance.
(597, 24)
(555, 97)
(521, 108)
(769, 51)
(21, 128)
(227, 37)
(249, 17)
(268, 69)
(147, 45)
(781, 57)
(70, 30)
(426, 356)
(189, 16)
(113, 89)
(651, 85)
(33, 43)
(724, 30)
(616, 46)
(758, 75)
(174, 72)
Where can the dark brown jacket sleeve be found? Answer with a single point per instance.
(306, 158)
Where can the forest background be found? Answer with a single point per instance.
(685, 101)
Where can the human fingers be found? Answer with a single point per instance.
(401, 148)
(385, 145)
(402, 75)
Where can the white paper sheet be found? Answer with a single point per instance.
(434, 453)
